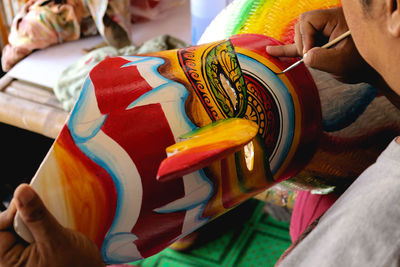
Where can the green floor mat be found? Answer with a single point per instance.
(246, 236)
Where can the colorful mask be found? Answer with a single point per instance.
(245, 129)
(358, 122)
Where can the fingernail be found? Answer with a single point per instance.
(26, 196)
(305, 55)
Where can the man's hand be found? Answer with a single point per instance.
(314, 29)
(54, 245)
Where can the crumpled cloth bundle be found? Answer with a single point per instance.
(41, 23)
(69, 84)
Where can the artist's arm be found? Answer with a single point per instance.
(54, 245)
(314, 29)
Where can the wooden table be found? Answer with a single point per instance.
(31, 107)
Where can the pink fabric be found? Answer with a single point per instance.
(307, 208)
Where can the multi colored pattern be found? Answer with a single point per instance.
(273, 18)
(260, 101)
(100, 177)
(358, 122)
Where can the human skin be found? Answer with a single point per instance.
(316, 28)
(380, 22)
(377, 24)
(371, 55)
(54, 244)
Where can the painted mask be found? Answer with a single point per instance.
(100, 176)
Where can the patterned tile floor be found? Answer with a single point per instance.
(246, 236)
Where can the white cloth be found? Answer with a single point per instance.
(363, 227)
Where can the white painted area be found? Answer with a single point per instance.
(121, 248)
(119, 163)
(90, 117)
(85, 126)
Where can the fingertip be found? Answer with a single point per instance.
(20, 188)
(270, 49)
(24, 195)
(322, 59)
(309, 61)
(35, 217)
(282, 50)
(29, 204)
(305, 56)
(309, 57)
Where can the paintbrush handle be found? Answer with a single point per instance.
(327, 45)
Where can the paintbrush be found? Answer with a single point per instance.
(327, 45)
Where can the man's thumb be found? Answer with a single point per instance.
(322, 59)
(37, 219)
